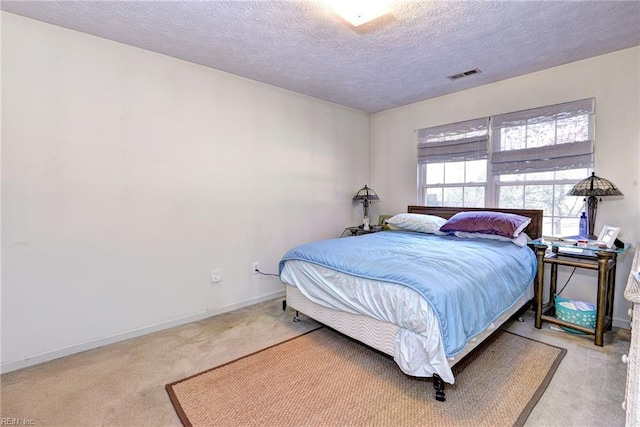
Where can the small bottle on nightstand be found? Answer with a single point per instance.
(583, 225)
(365, 222)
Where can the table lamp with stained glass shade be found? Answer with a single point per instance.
(366, 195)
(591, 189)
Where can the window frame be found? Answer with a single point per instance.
(493, 184)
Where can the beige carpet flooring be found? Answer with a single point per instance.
(123, 384)
(325, 379)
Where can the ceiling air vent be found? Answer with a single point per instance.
(464, 74)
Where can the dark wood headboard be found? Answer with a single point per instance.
(533, 230)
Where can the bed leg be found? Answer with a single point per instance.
(296, 317)
(284, 305)
(438, 385)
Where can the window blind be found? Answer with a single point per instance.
(551, 138)
(454, 142)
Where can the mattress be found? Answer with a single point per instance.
(368, 310)
(467, 282)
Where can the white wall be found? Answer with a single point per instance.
(127, 176)
(613, 79)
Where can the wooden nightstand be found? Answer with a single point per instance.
(357, 231)
(601, 260)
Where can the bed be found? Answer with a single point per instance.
(370, 288)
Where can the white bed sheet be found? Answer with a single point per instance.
(418, 347)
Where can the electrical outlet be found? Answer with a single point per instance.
(216, 275)
(255, 267)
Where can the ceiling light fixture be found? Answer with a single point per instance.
(358, 12)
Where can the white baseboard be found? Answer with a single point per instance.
(14, 365)
(623, 324)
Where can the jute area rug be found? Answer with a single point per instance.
(325, 379)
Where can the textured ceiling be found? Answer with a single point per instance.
(303, 47)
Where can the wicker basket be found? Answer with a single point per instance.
(585, 318)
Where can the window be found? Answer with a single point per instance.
(529, 159)
(452, 163)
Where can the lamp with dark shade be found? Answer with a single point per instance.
(366, 195)
(591, 189)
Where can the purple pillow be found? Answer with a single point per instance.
(502, 224)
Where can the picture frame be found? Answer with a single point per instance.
(608, 235)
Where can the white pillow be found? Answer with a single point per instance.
(521, 240)
(415, 222)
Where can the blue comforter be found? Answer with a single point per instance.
(468, 282)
